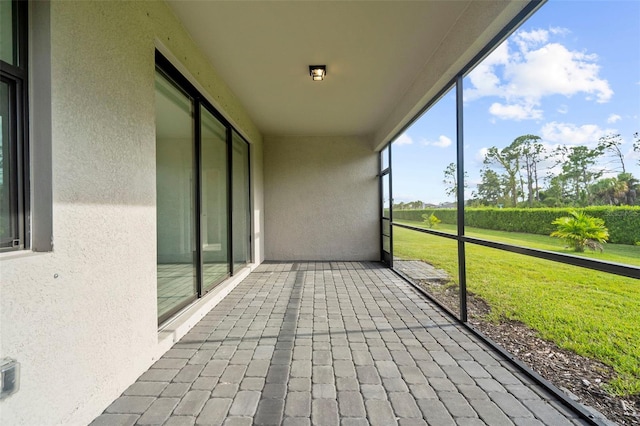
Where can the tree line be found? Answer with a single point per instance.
(525, 174)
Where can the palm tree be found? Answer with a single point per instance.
(615, 191)
(581, 231)
(630, 185)
(604, 191)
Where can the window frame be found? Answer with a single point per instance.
(16, 77)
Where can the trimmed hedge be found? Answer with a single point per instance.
(623, 222)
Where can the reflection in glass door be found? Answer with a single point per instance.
(213, 189)
(175, 198)
(241, 210)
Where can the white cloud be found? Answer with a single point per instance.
(403, 139)
(481, 154)
(515, 112)
(553, 69)
(613, 118)
(559, 31)
(527, 39)
(571, 134)
(528, 67)
(442, 142)
(483, 78)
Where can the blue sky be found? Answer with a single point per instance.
(570, 74)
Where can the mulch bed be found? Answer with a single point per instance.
(581, 378)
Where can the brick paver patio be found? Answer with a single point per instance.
(339, 343)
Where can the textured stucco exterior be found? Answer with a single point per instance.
(321, 198)
(82, 319)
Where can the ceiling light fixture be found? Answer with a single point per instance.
(317, 72)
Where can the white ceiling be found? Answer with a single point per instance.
(383, 58)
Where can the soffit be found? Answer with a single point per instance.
(375, 51)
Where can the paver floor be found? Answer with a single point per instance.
(331, 343)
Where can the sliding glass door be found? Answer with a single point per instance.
(203, 194)
(213, 189)
(241, 210)
(175, 200)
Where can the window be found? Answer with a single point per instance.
(13, 120)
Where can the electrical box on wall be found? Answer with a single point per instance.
(9, 377)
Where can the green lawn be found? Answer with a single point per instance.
(592, 313)
(618, 253)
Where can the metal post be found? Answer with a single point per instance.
(462, 271)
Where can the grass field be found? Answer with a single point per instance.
(618, 253)
(592, 313)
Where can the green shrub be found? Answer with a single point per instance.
(581, 231)
(623, 222)
(431, 220)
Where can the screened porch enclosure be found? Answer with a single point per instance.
(210, 235)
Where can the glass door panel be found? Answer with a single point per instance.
(241, 204)
(175, 199)
(214, 218)
(386, 219)
(385, 203)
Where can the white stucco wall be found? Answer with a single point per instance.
(81, 320)
(321, 198)
(256, 157)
